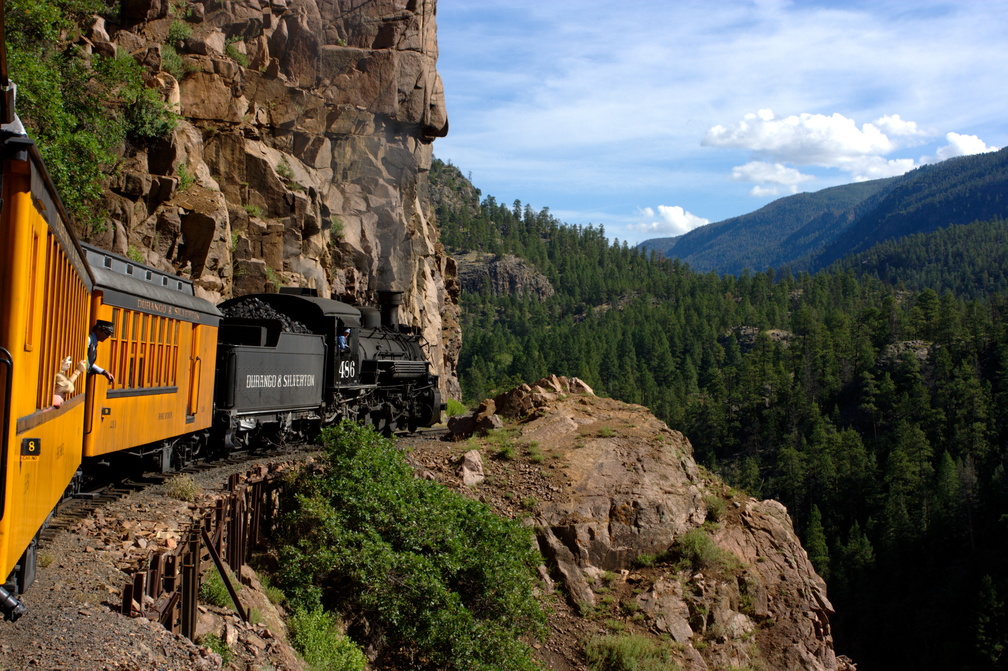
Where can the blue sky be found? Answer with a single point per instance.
(653, 117)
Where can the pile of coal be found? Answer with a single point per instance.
(254, 308)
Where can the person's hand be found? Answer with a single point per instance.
(111, 378)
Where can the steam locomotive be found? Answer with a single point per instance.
(185, 377)
(342, 363)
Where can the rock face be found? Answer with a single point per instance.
(632, 517)
(501, 275)
(300, 157)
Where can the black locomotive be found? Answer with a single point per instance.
(291, 359)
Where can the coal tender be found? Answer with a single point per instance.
(292, 361)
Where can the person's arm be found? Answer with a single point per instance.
(95, 369)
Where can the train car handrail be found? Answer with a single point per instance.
(8, 362)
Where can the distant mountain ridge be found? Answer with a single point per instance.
(808, 231)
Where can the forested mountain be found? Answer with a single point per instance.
(777, 234)
(877, 415)
(970, 260)
(956, 191)
(811, 230)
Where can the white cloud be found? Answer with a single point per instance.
(593, 106)
(764, 191)
(761, 173)
(893, 126)
(833, 141)
(805, 139)
(962, 145)
(671, 220)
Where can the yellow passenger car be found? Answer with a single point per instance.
(161, 356)
(45, 289)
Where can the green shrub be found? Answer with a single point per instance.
(646, 560)
(316, 635)
(628, 652)
(238, 57)
(78, 108)
(716, 507)
(456, 408)
(272, 592)
(253, 210)
(186, 178)
(214, 592)
(214, 642)
(274, 278)
(147, 117)
(171, 62)
(134, 254)
(178, 33)
(285, 171)
(438, 577)
(697, 549)
(336, 234)
(63, 107)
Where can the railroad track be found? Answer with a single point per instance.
(83, 504)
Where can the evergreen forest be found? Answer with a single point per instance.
(871, 398)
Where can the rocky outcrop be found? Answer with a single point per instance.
(631, 516)
(501, 275)
(300, 157)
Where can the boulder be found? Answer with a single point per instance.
(471, 470)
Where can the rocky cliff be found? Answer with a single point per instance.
(644, 540)
(501, 275)
(301, 154)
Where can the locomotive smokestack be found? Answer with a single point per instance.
(389, 302)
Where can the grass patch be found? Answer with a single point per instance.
(171, 62)
(717, 507)
(238, 57)
(535, 453)
(696, 549)
(182, 487)
(628, 652)
(273, 278)
(214, 592)
(285, 171)
(215, 643)
(272, 592)
(629, 607)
